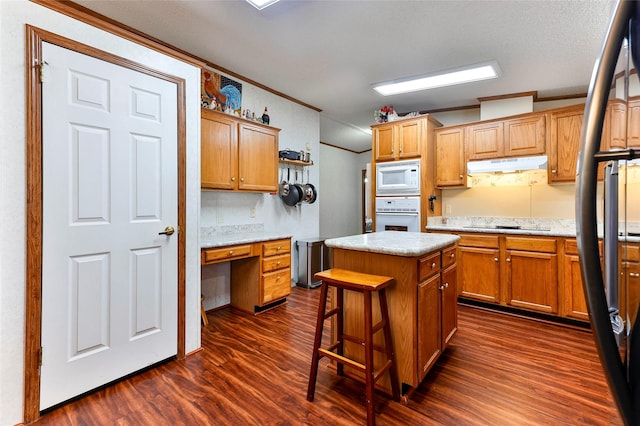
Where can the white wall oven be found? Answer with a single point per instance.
(398, 214)
(398, 178)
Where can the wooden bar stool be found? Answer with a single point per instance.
(366, 284)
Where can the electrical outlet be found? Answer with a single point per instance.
(252, 212)
(220, 218)
(448, 208)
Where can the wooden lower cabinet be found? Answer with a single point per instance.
(532, 279)
(479, 267)
(429, 330)
(449, 304)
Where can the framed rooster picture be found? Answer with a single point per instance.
(220, 93)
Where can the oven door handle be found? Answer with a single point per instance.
(398, 213)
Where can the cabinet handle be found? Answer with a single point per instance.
(634, 274)
(278, 248)
(452, 255)
(460, 176)
(495, 259)
(233, 178)
(445, 285)
(230, 252)
(508, 259)
(433, 265)
(554, 171)
(241, 179)
(278, 263)
(278, 277)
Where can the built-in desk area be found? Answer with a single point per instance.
(260, 268)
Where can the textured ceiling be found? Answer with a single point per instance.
(328, 53)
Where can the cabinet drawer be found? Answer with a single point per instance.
(428, 266)
(273, 248)
(543, 245)
(475, 240)
(275, 285)
(448, 256)
(276, 262)
(571, 246)
(226, 253)
(632, 252)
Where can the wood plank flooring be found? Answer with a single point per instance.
(253, 370)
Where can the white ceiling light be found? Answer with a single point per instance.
(450, 77)
(261, 4)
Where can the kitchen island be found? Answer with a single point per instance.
(422, 302)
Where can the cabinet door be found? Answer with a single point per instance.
(408, 138)
(564, 143)
(484, 141)
(429, 337)
(617, 130)
(449, 305)
(218, 153)
(257, 159)
(383, 142)
(532, 280)
(633, 135)
(450, 165)
(479, 273)
(524, 136)
(575, 304)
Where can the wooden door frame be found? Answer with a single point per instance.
(33, 280)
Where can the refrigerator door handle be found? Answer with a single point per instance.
(586, 217)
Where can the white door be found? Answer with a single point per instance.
(109, 280)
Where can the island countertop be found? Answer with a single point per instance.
(397, 243)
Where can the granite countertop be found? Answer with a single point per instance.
(505, 225)
(397, 243)
(230, 235)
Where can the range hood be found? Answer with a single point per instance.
(507, 165)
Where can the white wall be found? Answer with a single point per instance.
(14, 14)
(341, 181)
(300, 131)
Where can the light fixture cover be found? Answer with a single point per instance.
(261, 4)
(477, 72)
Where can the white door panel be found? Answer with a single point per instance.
(109, 283)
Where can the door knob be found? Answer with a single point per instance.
(167, 231)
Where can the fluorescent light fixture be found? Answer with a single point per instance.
(261, 4)
(450, 77)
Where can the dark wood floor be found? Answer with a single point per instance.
(499, 370)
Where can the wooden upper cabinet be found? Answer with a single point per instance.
(238, 155)
(219, 151)
(615, 136)
(450, 164)
(257, 158)
(633, 123)
(525, 136)
(397, 140)
(565, 131)
(484, 141)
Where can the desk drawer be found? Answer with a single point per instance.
(273, 248)
(275, 285)
(276, 262)
(227, 253)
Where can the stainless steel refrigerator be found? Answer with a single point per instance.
(609, 208)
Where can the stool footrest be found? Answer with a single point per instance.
(341, 359)
(382, 370)
(332, 312)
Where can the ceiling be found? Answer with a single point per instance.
(328, 53)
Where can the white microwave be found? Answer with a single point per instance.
(398, 178)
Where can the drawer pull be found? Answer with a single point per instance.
(278, 263)
(278, 248)
(452, 255)
(230, 252)
(433, 265)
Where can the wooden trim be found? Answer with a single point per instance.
(97, 20)
(33, 315)
(345, 149)
(533, 94)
